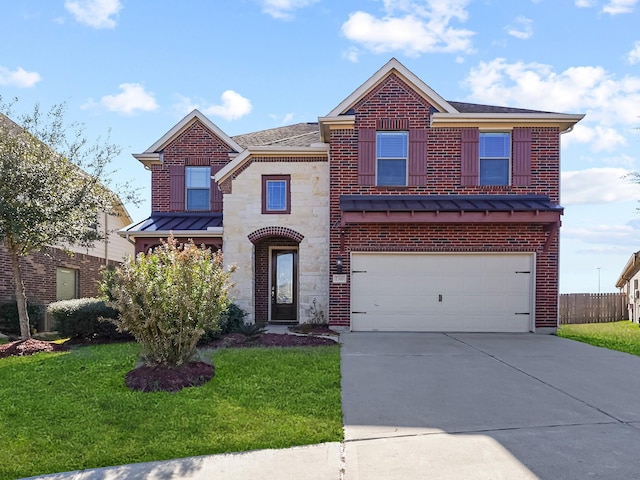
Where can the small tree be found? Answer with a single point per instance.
(168, 297)
(51, 188)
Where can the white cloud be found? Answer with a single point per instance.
(522, 28)
(412, 27)
(634, 54)
(597, 186)
(615, 7)
(283, 9)
(351, 54)
(94, 13)
(233, 107)
(605, 98)
(132, 98)
(612, 7)
(18, 77)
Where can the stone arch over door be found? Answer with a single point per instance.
(265, 241)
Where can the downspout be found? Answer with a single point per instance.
(106, 238)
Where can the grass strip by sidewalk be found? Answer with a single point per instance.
(623, 336)
(70, 411)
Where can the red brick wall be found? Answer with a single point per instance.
(394, 99)
(39, 274)
(196, 146)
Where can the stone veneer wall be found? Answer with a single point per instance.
(308, 217)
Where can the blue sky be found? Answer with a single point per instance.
(137, 67)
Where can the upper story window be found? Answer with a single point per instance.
(495, 158)
(198, 187)
(391, 158)
(276, 194)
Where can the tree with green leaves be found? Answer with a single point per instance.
(53, 187)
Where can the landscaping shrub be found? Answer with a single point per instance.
(81, 318)
(169, 297)
(230, 321)
(9, 320)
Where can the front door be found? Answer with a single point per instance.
(284, 280)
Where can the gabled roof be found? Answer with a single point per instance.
(393, 66)
(152, 154)
(447, 114)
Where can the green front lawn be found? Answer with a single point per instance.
(623, 336)
(69, 411)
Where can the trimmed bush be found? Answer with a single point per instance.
(9, 319)
(169, 297)
(230, 321)
(81, 318)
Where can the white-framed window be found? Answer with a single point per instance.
(391, 158)
(495, 158)
(198, 187)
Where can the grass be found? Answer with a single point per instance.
(69, 411)
(623, 336)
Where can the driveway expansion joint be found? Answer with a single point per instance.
(598, 409)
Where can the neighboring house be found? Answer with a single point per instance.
(54, 275)
(629, 285)
(397, 211)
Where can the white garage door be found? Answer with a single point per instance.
(441, 292)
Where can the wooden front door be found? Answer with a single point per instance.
(284, 285)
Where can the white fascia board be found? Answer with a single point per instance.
(270, 151)
(393, 65)
(503, 120)
(339, 121)
(186, 122)
(630, 269)
(148, 159)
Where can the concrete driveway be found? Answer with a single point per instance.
(475, 406)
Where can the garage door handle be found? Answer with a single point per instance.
(440, 297)
(522, 313)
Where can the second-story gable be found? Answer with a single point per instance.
(394, 135)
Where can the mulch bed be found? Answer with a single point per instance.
(158, 378)
(237, 340)
(29, 347)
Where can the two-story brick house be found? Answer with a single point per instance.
(397, 211)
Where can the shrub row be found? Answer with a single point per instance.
(10, 322)
(81, 318)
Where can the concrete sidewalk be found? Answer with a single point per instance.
(454, 406)
(314, 462)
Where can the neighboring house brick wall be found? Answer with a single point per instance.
(308, 217)
(39, 274)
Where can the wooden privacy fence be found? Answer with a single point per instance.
(593, 307)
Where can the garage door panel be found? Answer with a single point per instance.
(441, 292)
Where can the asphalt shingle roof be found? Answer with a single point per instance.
(297, 135)
(463, 107)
